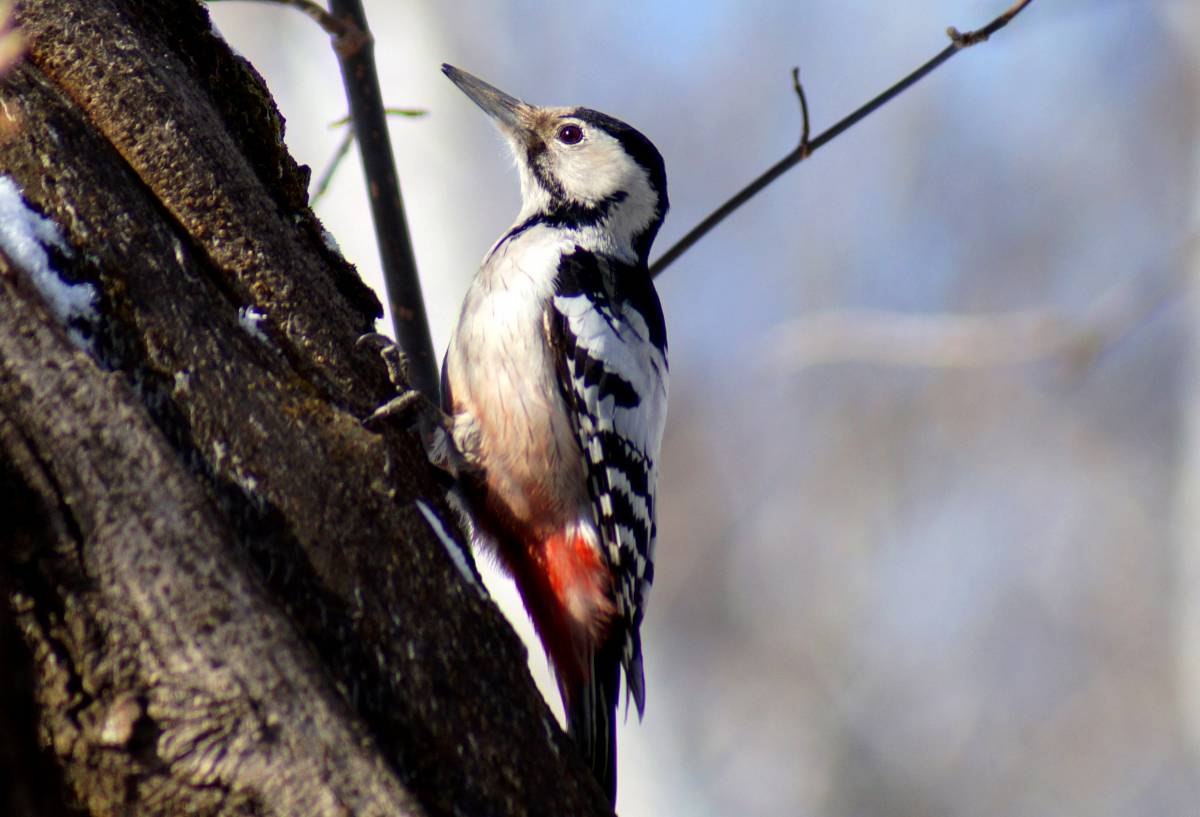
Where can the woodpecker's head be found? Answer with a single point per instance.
(580, 168)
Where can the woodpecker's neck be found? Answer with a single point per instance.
(622, 225)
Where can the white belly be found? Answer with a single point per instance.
(508, 409)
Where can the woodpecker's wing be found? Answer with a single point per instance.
(606, 326)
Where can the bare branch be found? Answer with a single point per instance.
(806, 148)
(799, 89)
(981, 34)
(387, 207)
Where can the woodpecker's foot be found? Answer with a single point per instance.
(435, 427)
(408, 404)
(393, 358)
(407, 400)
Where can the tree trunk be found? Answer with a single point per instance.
(223, 595)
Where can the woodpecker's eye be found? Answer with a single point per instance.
(570, 134)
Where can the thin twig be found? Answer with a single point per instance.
(799, 89)
(343, 148)
(958, 42)
(411, 113)
(326, 177)
(387, 208)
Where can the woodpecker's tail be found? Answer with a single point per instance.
(592, 716)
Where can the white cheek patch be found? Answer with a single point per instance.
(594, 169)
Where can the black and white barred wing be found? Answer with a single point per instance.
(613, 374)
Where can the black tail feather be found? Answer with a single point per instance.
(592, 718)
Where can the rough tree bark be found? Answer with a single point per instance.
(219, 595)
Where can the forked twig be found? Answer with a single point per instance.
(958, 42)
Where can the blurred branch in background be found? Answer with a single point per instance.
(958, 42)
(958, 341)
(339, 154)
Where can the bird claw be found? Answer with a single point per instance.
(400, 406)
(393, 357)
(433, 426)
(408, 401)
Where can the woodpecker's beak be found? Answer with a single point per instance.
(513, 115)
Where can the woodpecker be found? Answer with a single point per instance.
(555, 389)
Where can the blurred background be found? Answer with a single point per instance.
(929, 499)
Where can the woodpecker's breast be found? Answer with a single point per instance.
(505, 398)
